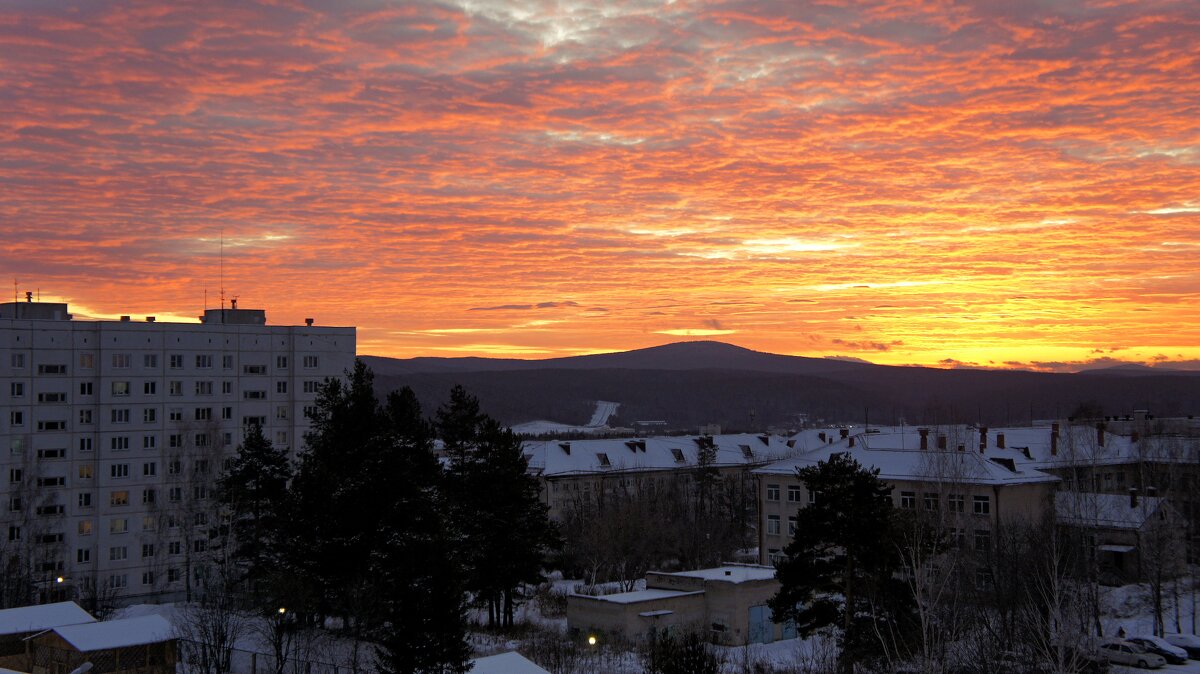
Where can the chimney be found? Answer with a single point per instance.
(1133, 497)
(982, 438)
(851, 442)
(1100, 434)
(924, 438)
(149, 319)
(941, 442)
(1000, 440)
(233, 304)
(1053, 439)
(1134, 437)
(124, 319)
(821, 435)
(845, 433)
(308, 322)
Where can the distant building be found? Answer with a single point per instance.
(113, 433)
(727, 603)
(584, 472)
(975, 489)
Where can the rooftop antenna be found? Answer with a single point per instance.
(222, 268)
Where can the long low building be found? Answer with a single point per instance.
(728, 603)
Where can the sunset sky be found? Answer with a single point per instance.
(1004, 184)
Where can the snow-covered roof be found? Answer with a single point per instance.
(40, 618)
(898, 457)
(613, 455)
(731, 573)
(102, 636)
(1105, 511)
(640, 595)
(505, 663)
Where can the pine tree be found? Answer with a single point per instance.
(254, 489)
(505, 532)
(839, 570)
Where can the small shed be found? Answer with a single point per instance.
(143, 645)
(16, 624)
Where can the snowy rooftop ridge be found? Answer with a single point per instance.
(505, 663)
(730, 573)
(101, 636)
(608, 455)
(27, 619)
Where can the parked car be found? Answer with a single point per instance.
(1125, 653)
(1172, 654)
(1188, 642)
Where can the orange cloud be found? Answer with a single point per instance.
(912, 182)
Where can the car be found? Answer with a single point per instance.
(1125, 653)
(1172, 654)
(1188, 642)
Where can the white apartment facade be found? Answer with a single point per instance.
(113, 434)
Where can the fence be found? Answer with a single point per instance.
(201, 658)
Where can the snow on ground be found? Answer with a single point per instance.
(597, 424)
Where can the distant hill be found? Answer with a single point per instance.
(692, 383)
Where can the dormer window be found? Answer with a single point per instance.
(747, 452)
(678, 454)
(603, 458)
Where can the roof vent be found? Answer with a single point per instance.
(566, 447)
(308, 322)
(149, 319)
(124, 319)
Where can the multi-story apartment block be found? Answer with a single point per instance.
(113, 435)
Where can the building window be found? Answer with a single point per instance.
(175, 494)
(55, 481)
(85, 444)
(120, 388)
(227, 362)
(18, 360)
(200, 467)
(87, 361)
(52, 425)
(148, 496)
(150, 388)
(773, 525)
(792, 526)
(254, 395)
(16, 418)
(204, 388)
(147, 578)
(983, 505)
(202, 439)
(983, 579)
(983, 540)
(204, 361)
(172, 575)
(120, 360)
(175, 548)
(226, 387)
(226, 413)
(85, 472)
(200, 492)
(281, 441)
(310, 411)
(85, 417)
(311, 386)
(174, 467)
(17, 389)
(149, 441)
(175, 414)
(85, 500)
(772, 492)
(83, 556)
(85, 388)
(175, 388)
(281, 387)
(118, 498)
(85, 528)
(120, 442)
(57, 453)
(50, 369)
(118, 581)
(149, 415)
(908, 499)
(203, 414)
(931, 501)
(199, 545)
(254, 369)
(957, 503)
(120, 416)
(281, 362)
(118, 526)
(15, 474)
(311, 361)
(176, 361)
(793, 492)
(150, 360)
(149, 469)
(119, 470)
(281, 412)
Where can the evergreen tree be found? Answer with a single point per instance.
(423, 605)
(840, 568)
(254, 489)
(505, 532)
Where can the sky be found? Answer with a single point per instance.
(995, 184)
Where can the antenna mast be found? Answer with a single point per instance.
(222, 268)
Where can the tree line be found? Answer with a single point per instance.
(371, 529)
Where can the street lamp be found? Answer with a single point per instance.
(592, 640)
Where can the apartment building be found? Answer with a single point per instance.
(113, 434)
(973, 488)
(584, 472)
